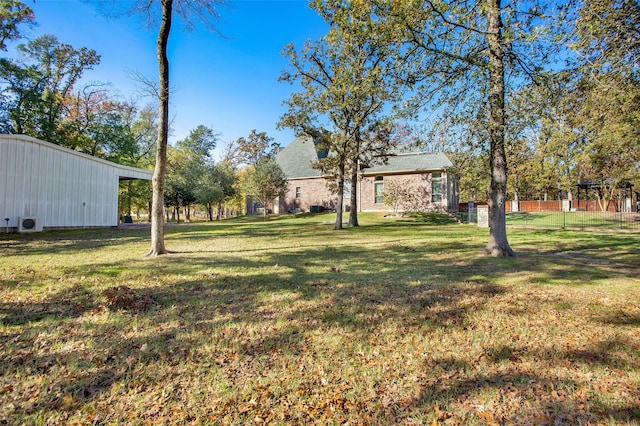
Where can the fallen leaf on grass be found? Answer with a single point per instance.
(488, 418)
(123, 297)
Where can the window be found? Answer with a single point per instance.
(298, 191)
(436, 187)
(378, 190)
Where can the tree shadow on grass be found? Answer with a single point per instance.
(69, 302)
(356, 298)
(68, 242)
(528, 397)
(227, 314)
(620, 318)
(73, 378)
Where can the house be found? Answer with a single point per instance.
(425, 181)
(43, 185)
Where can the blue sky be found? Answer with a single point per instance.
(228, 84)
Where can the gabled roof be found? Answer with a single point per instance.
(297, 157)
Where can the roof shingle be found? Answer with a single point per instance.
(296, 161)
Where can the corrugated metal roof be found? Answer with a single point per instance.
(126, 172)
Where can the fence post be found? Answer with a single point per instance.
(621, 220)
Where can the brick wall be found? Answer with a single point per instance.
(420, 184)
(313, 192)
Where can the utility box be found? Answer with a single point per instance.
(483, 216)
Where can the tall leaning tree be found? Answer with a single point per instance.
(465, 56)
(191, 12)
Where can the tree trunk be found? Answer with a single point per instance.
(219, 212)
(157, 229)
(353, 205)
(498, 244)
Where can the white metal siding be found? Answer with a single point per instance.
(61, 187)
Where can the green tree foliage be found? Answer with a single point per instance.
(129, 134)
(199, 144)
(252, 149)
(188, 163)
(541, 142)
(607, 93)
(610, 126)
(608, 37)
(193, 177)
(217, 185)
(37, 89)
(20, 96)
(132, 143)
(266, 182)
(346, 80)
(134, 197)
(472, 167)
(13, 13)
(182, 175)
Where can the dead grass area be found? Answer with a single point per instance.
(288, 322)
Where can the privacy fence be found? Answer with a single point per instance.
(568, 205)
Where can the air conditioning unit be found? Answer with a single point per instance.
(29, 224)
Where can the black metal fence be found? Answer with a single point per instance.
(467, 217)
(580, 220)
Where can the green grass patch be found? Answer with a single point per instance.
(285, 321)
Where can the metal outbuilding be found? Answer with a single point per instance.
(43, 185)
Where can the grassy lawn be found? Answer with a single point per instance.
(400, 321)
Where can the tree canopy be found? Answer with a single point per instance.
(13, 14)
(266, 182)
(38, 91)
(347, 87)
